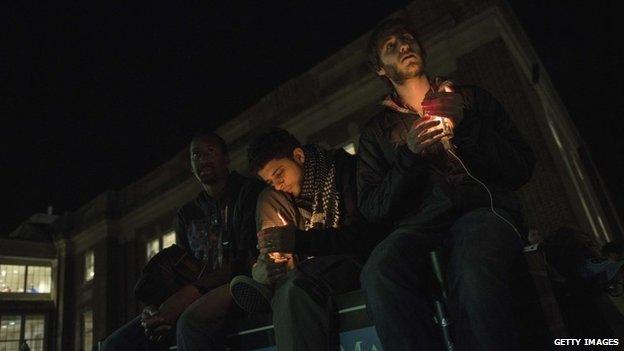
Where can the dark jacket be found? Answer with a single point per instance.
(395, 185)
(232, 216)
(354, 235)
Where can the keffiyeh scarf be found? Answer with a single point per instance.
(319, 186)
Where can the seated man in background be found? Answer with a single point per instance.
(218, 228)
(310, 215)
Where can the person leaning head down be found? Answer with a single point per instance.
(277, 157)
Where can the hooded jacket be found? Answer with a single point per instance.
(395, 185)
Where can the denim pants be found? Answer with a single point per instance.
(200, 327)
(303, 316)
(397, 278)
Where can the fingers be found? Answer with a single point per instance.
(424, 145)
(152, 322)
(269, 244)
(157, 334)
(428, 134)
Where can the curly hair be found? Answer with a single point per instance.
(272, 144)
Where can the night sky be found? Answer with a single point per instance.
(94, 97)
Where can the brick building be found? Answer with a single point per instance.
(95, 254)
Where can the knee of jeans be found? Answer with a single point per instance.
(382, 264)
(107, 345)
(287, 295)
(188, 320)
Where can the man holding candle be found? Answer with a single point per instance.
(310, 217)
(456, 195)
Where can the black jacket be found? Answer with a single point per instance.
(354, 235)
(235, 212)
(395, 184)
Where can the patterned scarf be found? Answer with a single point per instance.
(319, 186)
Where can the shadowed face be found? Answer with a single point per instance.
(208, 161)
(400, 55)
(285, 174)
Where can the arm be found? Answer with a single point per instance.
(490, 145)
(179, 226)
(272, 202)
(382, 187)
(245, 227)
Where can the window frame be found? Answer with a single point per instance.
(22, 330)
(83, 328)
(161, 239)
(27, 263)
(88, 279)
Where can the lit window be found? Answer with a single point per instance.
(162, 242)
(350, 148)
(153, 246)
(169, 239)
(15, 330)
(38, 279)
(10, 330)
(34, 327)
(12, 278)
(89, 266)
(87, 330)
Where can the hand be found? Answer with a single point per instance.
(423, 135)
(153, 324)
(445, 104)
(157, 322)
(267, 271)
(277, 239)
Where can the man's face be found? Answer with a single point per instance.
(400, 55)
(208, 161)
(285, 174)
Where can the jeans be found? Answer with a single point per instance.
(200, 327)
(397, 279)
(303, 316)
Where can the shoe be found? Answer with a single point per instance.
(250, 295)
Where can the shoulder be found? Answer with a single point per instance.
(194, 206)
(475, 96)
(342, 159)
(378, 121)
(247, 186)
(271, 196)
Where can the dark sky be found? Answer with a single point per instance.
(95, 96)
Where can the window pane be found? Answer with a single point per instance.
(87, 330)
(89, 265)
(169, 239)
(34, 331)
(153, 246)
(10, 328)
(9, 345)
(12, 278)
(38, 279)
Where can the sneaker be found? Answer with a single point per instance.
(250, 295)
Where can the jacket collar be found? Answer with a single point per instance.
(394, 102)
